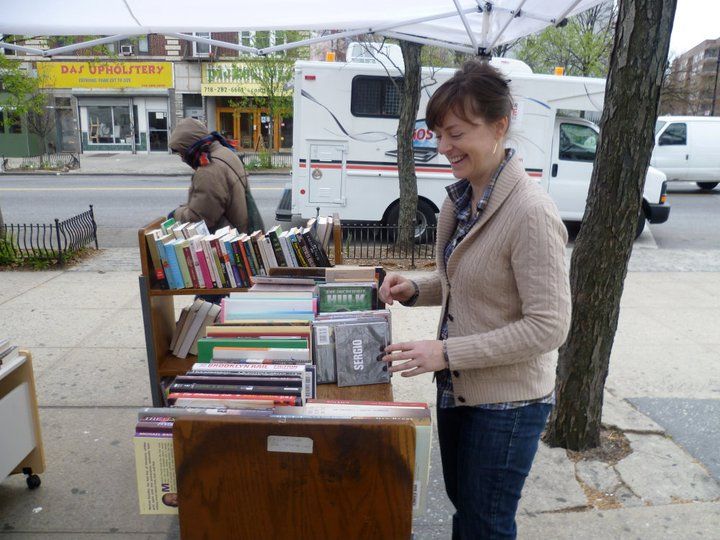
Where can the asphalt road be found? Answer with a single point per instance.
(123, 204)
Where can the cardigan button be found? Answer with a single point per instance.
(456, 373)
(461, 399)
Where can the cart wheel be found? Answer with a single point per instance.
(33, 481)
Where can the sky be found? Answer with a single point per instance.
(695, 21)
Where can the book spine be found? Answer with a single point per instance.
(220, 262)
(305, 249)
(277, 249)
(269, 253)
(247, 264)
(259, 259)
(166, 283)
(182, 264)
(210, 261)
(191, 266)
(251, 390)
(196, 264)
(238, 264)
(204, 268)
(157, 266)
(317, 252)
(226, 262)
(295, 243)
(276, 399)
(249, 256)
(174, 266)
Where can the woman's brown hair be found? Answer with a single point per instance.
(476, 89)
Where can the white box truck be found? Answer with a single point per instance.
(344, 147)
(687, 148)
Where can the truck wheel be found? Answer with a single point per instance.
(707, 185)
(425, 219)
(640, 225)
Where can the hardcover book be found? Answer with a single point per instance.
(356, 349)
(334, 297)
(155, 472)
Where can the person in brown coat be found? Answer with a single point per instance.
(217, 189)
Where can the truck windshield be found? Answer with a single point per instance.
(659, 125)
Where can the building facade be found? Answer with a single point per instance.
(129, 95)
(693, 85)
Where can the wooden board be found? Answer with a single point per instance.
(356, 482)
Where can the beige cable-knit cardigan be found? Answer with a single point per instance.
(506, 292)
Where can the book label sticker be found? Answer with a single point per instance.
(322, 335)
(295, 445)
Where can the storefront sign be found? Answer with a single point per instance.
(236, 79)
(105, 74)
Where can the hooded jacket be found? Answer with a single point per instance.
(217, 189)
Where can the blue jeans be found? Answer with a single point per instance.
(486, 456)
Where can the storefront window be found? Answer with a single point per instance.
(110, 125)
(286, 132)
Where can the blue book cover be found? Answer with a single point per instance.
(233, 264)
(177, 279)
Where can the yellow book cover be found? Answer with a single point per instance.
(155, 469)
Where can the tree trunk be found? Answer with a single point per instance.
(604, 244)
(409, 103)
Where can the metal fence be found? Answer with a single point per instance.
(266, 160)
(63, 160)
(377, 243)
(22, 242)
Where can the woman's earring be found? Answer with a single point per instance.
(495, 148)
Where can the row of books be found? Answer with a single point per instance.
(8, 351)
(191, 325)
(154, 453)
(186, 255)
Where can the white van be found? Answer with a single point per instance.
(345, 152)
(687, 148)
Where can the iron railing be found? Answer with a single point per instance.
(378, 243)
(62, 160)
(264, 159)
(21, 242)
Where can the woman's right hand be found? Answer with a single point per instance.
(396, 287)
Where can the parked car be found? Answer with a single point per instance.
(687, 148)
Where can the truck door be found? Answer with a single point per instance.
(672, 153)
(326, 170)
(574, 146)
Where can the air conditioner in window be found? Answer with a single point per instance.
(126, 50)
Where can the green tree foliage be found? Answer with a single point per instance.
(19, 90)
(582, 46)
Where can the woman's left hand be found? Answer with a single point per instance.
(422, 357)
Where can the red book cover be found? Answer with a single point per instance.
(191, 267)
(277, 400)
(204, 268)
(246, 261)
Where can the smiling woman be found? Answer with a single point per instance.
(501, 318)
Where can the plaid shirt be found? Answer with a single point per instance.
(460, 193)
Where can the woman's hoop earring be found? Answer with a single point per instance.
(495, 148)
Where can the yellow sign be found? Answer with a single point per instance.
(237, 79)
(105, 74)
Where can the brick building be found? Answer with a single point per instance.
(694, 81)
(127, 96)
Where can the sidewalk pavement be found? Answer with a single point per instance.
(84, 328)
(125, 164)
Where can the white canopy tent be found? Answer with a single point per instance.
(471, 26)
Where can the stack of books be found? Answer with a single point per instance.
(191, 325)
(258, 355)
(346, 346)
(186, 255)
(154, 456)
(8, 351)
